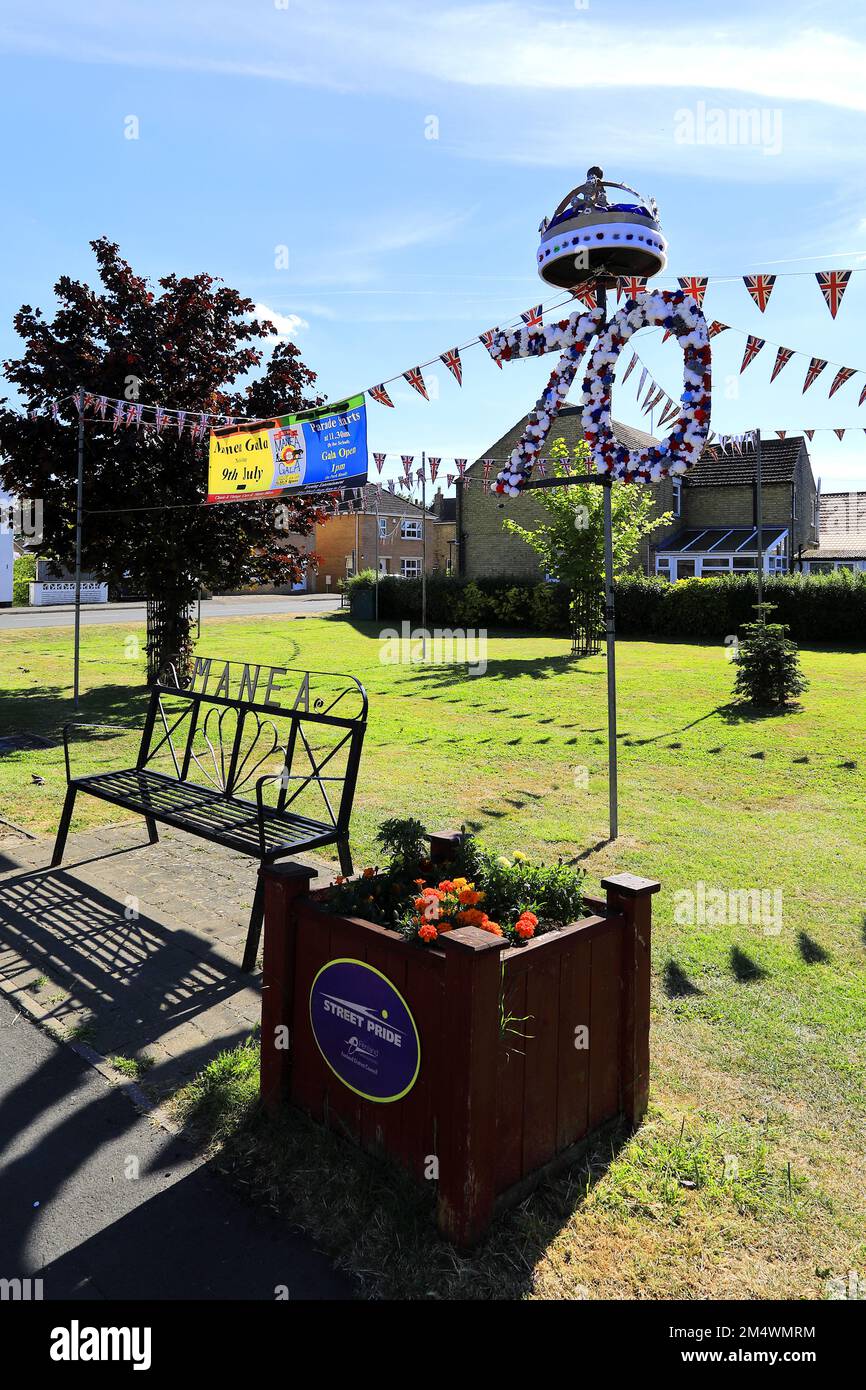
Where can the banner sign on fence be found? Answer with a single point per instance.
(364, 1030)
(315, 451)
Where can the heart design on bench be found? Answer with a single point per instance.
(220, 743)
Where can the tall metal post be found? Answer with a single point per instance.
(610, 628)
(377, 554)
(759, 519)
(424, 554)
(79, 504)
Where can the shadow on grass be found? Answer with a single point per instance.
(45, 711)
(676, 983)
(375, 1221)
(745, 969)
(812, 951)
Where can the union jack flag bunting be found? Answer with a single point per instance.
(586, 295)
(810, 435)
(407, 460)
(816, 367)
(379, 460)
(416, 381)
(533, 318)
(488, 339)
(781, 433)
(449, 478)
(461, 466)
(783, 357)
(833, 284)
(844, 374)
(454, 365)
(717, 327)
(760, 287)
(694, 285)
(381, 395)
(181, 421)
(159, 418)
(862, 396)
(390, 484)
(419, 474)
(132, 415)
(434, 468)
(630, 368)
(630, 286)
(643, 377)
(753, 347)
(542, 468)
(119, 413)
(488, 464)
(102, 406)
(839, 433)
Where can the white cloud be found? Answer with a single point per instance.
(287, 325)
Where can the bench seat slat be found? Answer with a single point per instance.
(205, 811)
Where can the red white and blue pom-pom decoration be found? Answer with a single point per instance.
(681, 316)
(573, 336)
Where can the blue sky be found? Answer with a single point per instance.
(306, 124)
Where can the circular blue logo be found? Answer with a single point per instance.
(364, 1030)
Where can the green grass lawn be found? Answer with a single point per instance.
(758, 1040)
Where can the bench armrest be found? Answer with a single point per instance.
(260, 782)
(123, 728)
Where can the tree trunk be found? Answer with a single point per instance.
(169, 638)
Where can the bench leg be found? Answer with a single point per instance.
(63, 828)
(152, 832)
(251, 950)
(345, 855)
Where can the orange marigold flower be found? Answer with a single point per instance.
(444, 924)
(428, 932)
(524, 927)
(469, 897)
(493, 927)
(461, 883)
(527, 916)
(339, 879)
(446, 886)
(472, 917)
(369, 873)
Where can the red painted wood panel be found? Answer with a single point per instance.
(542, 1044)
(425, 986)
(573, 1064)
(604, 1030)
(382, 1124)
(510, 1082)
(308, 1067)
(345, 1108)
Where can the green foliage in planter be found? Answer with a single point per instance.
(23, 570)
(554, 892)
(360, 582)
(406, 843)
(768, 662)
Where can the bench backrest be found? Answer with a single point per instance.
(233, 723)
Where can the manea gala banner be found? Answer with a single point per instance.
(315, 451)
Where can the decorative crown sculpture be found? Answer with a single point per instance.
(590, 238)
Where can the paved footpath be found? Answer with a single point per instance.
(212, 610)
(163, 983)
(100, 1203)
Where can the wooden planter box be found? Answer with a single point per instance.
(524, 1051)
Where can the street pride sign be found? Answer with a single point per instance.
(314, 451)
(364, 1030)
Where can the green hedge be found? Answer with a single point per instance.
(23, 570)
(821, 609)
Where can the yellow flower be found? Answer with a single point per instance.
(520, 856)
(503, 862)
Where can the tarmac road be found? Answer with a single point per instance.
(213, 609)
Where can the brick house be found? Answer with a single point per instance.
(347, 543)
(841, 534)
(714, 508)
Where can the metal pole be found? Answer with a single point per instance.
(79, 499)
(610, 627)
(424, 554)
(756, 435)
(377, 555)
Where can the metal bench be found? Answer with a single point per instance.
(202, 745)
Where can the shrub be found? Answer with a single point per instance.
(769, 673)
(23, 570)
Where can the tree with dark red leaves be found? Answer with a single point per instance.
(186, 344)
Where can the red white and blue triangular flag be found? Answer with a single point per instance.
(119, 414)
(379, 460)
(419, 474)
(381, 395)
(434, 468)
(390, 484)
(630, 368)
(131, 415)
(839, 433)
(816, 367)
(542, 468)
(488, 339)
(783, 357)
(862, 396)
(630, 286)
(753, 347)
(159, 418)
(453, 363)
(181, 421)
(833, 284)
(717, 327)
(643, 377)
(695, 286)
(586, 295)
(844, 374)
(102, 406)
(760, 287)
(461, 466)
(810, 435)
(533, 318)
(449, 478)
(416, 381)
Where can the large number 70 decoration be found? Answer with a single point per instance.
(673, 310)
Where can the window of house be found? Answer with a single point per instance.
(410, 568)
(383, 528)
(715, 562)
(678, 496)
(410, 529)
(663, 566)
